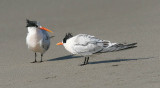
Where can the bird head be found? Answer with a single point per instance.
(37, 25)
(68, 36)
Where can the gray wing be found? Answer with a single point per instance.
(45, 41)
(87, 44)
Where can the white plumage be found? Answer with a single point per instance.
(86, 45)
(37, 39)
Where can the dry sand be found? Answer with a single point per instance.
(114, 20)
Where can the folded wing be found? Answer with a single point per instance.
(87, 44)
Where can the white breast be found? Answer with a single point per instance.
(69, 45)
(33, 39)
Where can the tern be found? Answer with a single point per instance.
(37, 40)
(87, 45)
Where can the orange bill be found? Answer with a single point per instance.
(43, 28)
(60, 43)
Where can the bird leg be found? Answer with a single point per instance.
(87, 60)
(35, 59)
(84, 63)
(41, 57)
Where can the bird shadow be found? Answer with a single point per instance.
(118, 60)
(97, 62)
(64, 58)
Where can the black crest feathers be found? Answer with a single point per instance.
(31, 23)
(27, 21)
(68, 35)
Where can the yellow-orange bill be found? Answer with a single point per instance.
(60, 43)
(43, 28)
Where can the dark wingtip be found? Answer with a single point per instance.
(51, 36)
(133, 43)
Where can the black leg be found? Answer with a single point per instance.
(87, 60)
(84, 63)
(35, 59)
(41, 57)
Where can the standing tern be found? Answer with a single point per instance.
(38, 40)
(87, 45)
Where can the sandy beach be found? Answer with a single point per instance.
(124, 21)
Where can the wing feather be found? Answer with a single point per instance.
(87, 44)
(45, 41)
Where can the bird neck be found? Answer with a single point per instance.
(33, 30)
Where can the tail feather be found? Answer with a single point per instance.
(117, 47)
